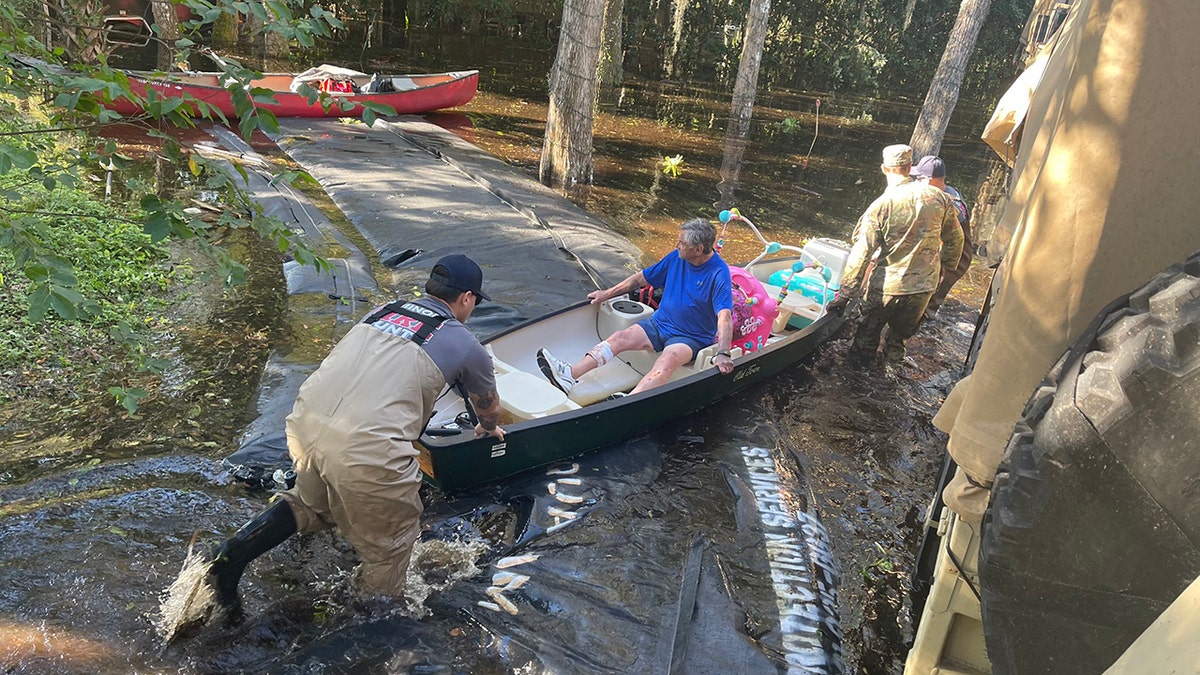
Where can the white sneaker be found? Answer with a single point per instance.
(558, 372)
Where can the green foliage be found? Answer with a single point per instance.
(847, 46)
(81, 269)
(789, 126)
(128, 398)
(466, 13)
(65, 252)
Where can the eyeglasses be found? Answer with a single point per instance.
(478, 298)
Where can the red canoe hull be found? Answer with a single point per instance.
(428, 92)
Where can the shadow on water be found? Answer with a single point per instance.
(94, 553)
(86, 556)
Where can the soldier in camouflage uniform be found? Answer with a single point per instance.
(911, 231)
(931, 169)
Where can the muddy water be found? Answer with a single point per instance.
(95, 523)
(87, 552)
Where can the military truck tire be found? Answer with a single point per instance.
(1094, 522)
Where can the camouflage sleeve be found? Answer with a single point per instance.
(952, 236)
(866, 240)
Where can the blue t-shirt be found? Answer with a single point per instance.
(692, 296)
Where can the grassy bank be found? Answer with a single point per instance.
(77, 271)
(123, 302)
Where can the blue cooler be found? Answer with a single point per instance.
(809, 283)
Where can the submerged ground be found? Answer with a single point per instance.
(95, 515)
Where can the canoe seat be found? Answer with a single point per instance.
(796, 310)
(621, 374)
(597, 385)
(704, 360)
(527, 396)
(644, 361)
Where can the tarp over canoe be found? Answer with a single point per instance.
(1105, 196)
(325, 72)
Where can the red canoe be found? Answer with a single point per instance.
(412, 93)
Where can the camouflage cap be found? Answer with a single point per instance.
(897, 155)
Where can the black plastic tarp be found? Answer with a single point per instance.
(414, 192)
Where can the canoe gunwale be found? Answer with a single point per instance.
(575, 432)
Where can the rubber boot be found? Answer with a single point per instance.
(268, 530)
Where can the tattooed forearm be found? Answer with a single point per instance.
(487, 400)
(487, 407)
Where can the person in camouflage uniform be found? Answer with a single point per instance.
(910, 232)
(932, 170)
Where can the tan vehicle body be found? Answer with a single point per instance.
(1104, 195)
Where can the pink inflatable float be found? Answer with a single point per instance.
(753, 311)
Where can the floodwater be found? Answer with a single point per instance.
(809, 166)
(94, 526)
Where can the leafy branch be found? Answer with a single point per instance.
(41, 156)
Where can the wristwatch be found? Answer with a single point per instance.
(723, 352)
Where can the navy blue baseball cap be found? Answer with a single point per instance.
(459, 272)
(930, 166)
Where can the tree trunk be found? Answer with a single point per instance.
(225, 32)
(676, 37)
(611, 70)
(567, 150)
(250, 36)
(168, 22)
(76, 26)
(168, 30)
(943, 91)
(741, 108)
(276, 47)
(731, 162)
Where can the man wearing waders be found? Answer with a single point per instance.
(351, 433)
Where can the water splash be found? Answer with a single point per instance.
(189, 601)
(436, 565)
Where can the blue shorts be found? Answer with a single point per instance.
(659, 344)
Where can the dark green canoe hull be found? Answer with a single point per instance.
(457, 462)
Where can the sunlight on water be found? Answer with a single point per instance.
(39, 647)
(188, 601)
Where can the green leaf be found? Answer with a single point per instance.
(68, 100)
(61, 274)
(378, 108)
(128, 398)
(267, 121)
(156, 366)
(37, 272)
(62, 306)
(279, 9)
(39, 303)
